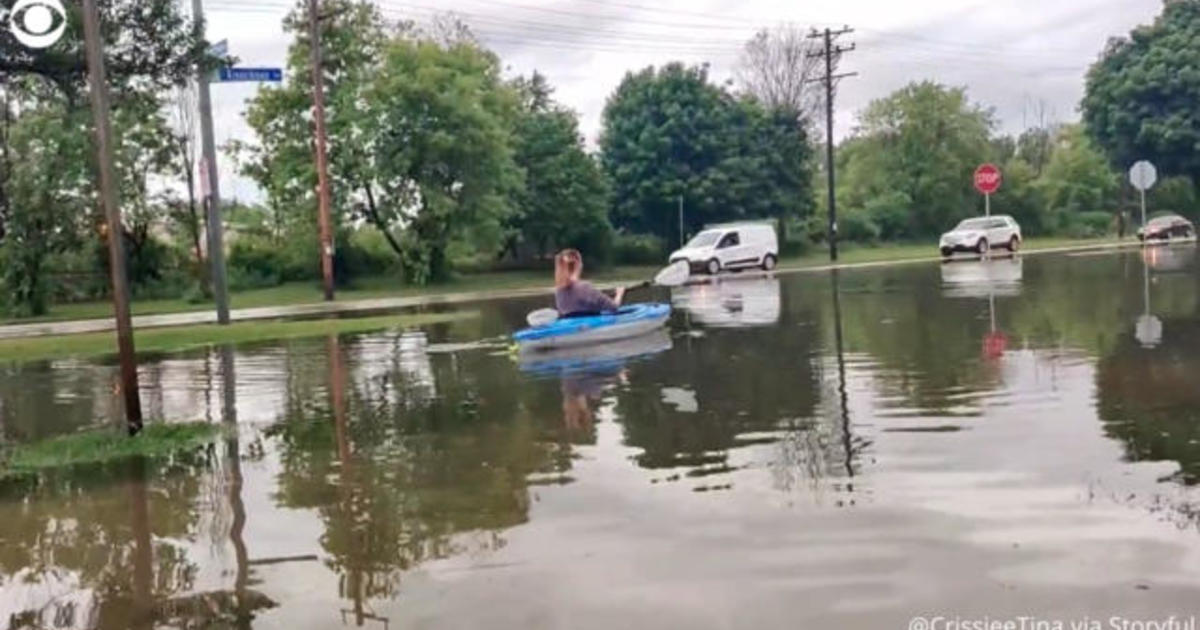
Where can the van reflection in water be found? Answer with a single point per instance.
(730, 302)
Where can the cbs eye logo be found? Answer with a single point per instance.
(32, 22)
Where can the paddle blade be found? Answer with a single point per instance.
(674, 275)
(542, 317)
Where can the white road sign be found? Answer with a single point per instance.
(1143, 175)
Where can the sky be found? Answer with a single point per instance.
(1026, 59)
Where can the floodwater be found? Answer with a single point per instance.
(998, 440)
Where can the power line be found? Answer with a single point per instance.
(896, 37)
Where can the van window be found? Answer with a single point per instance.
(704, 239)
(731, 240)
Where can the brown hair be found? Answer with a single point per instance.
(568, 264)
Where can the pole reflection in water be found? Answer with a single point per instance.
(843, 395)
(348, 490)
(143, 555)
(1148, 328)
(234, 467)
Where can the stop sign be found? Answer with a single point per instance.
(987, 179)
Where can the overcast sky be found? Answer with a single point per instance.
(1010, 54)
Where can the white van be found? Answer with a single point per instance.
(733, 246)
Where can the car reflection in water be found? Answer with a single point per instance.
(730, 302)
(996, 277)
(1174, 257)
(985, 279)
(587, 372)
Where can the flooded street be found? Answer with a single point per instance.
(815, 450)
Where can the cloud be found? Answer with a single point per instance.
(1009, 54)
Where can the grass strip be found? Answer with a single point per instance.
(180, 338)
(99, 446)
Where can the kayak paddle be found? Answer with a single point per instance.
(672, 275)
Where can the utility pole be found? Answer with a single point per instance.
(681, 221)
(212, 193)
(324, 220)
(831, 54)
(112, 216)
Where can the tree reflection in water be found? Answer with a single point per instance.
(399, 476)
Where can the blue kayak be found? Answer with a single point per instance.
(628, 321)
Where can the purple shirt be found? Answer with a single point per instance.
(582, 297)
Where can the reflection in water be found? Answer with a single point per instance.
(983, 278)
(666, 481)
(730, 302)
(586, 372)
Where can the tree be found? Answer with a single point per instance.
(419, 130)
(442, 151)
(917, 148)
(669, 133)
(149, 48)
(1139, 99)
(281, 161)
(49, 192)
(779, 67)
(1077, 177)
(564, 202)
(185, 145)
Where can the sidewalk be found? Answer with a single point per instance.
(44, 329)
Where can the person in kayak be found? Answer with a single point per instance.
(573, 296)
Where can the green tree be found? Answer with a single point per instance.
(917, 149)
(442, 149)
(419, 130)
(1174, 194)
(1077, 178)
(564, 202)
(1140, 97)
(282, 160)
(48, 189)
(1020, 197)
(669, 133)
(47, 197)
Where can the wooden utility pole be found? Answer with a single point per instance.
(112, 216)
(324, 220)
(212, 193)
(681, 241)
(831, 55)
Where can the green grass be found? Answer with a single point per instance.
(383, 287)
(185, 337)
(105, 445)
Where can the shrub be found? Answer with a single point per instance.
(1089, 224)
(255, 262)
(638, 249)
(364, 252)
(856, 226)
(889, 214)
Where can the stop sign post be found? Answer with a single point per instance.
(987, 181)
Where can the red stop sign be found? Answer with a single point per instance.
(987, 179)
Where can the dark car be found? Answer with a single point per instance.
(1167, 227)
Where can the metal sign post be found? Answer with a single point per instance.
(1143, 175)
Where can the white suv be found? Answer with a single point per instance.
(981, 234)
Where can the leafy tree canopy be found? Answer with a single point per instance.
(1140, 97)
(911, 160)
(670, 133)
